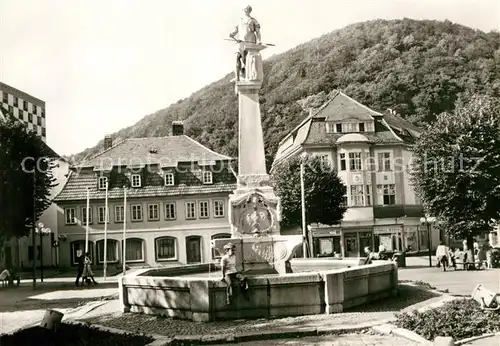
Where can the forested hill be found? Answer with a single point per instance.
(417, 68)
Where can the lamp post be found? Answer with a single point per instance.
(429, 241)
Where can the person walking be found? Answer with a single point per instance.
(87, 270)
(442, 255)
(80, 260)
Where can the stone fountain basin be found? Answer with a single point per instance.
(195, 292)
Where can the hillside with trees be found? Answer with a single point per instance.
(417, 68)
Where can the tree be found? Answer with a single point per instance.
(324, 192)
(21, 152)
(456, 168)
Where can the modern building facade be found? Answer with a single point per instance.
(370, 151)
(177, 197)
(28, 109)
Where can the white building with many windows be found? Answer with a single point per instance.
(370, 151)
(177, 197)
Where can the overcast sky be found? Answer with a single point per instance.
(101, 65)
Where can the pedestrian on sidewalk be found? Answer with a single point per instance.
(442, 255)
(87, 270)
(81, 264)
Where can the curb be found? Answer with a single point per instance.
(182, 340)
(479, 337)
(389, 329)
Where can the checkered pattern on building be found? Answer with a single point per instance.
(28, 109)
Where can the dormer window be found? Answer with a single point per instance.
(136, 180)
(338, 128)
(102, 183)
(361, 127)
(207, 177)
(169, 179)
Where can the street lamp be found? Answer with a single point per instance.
(428, 224)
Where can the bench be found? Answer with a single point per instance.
(489, 300)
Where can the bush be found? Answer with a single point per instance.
(459, 319)
(72, 334)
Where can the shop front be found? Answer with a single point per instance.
(390, 237)
(355, 241)
(327, 242)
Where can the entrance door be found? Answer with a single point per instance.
(351, 245)
(193, 249)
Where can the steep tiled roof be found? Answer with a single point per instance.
(166, 151)
(180, 155)
(76, 189)
(389, 128)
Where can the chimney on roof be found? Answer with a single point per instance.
(177, 128)
(108, 142)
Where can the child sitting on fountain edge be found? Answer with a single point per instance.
(230, 273)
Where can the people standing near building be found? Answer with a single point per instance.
(81, 264)
(87, 270)
(230, 273)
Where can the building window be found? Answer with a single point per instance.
(111, 251)
(338, 128)
(204, 210)
(136, 212)
(355, 161)
(384, 161)
(169, 179)
(134, 250)
(136, 180)
(119, 213)
(16, 100)
(43, 132)
(190, 210)
(349, 127)
(216, 254)
(25, 105)
(43, 113)
(361, 127)
(70, 214)
(153, 212)
(357, 196)
(170, 211)
(39, 121)
(30, 117)
(368, 201)
(218, 208)
(207, 177)
(166, 248)
(330, 127)
(35, 108)
(343, 165)
(5, 97)
(102, 183)
(386, 194)
(101, 215)
(84, 215)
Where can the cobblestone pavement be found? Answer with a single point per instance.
(338, 340)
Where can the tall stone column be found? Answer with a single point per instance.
(254, 207)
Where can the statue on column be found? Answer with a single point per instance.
(248, 31)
